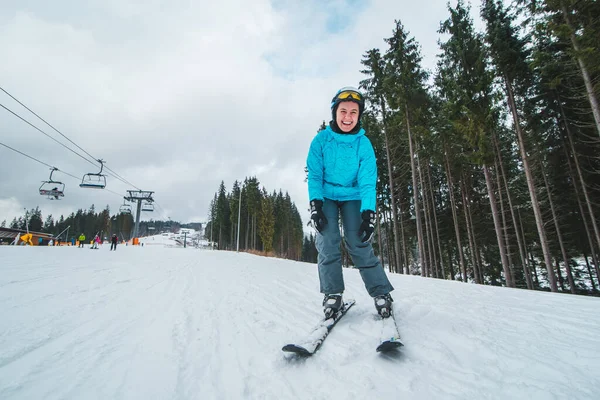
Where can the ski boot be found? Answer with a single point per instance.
(383, 304)
(332, 303)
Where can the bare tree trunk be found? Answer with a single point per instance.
(435, 221)
(415, 188)
(561, 281)
(450, 263)
(560, 240)
(461, 258)
(478, 265)
(389, 239)
(522, 253)
(404, 247)
(381, 249)
(582, 213)
(469, 234)
(532, 190)
(589, 85)
(498, 228)
(535, 275)
(589, 271)
(505, 229)
(533, 269)
(580, 175)
(431, 259)
(247, 228)
(391, 183)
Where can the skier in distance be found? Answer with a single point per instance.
(113, 242)
(342, 174)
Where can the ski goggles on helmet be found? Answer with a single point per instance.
(348, 95)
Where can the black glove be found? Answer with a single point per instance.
(367, 228)
(316, 215)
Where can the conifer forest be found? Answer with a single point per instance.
(268, 222)
(489, 166)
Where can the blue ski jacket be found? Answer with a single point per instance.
(342, 167)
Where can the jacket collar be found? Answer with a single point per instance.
(345, 137)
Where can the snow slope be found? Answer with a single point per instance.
(155, 322)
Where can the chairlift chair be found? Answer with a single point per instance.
(125, 208)
(94, 180)
(147, 206)
(54, 190)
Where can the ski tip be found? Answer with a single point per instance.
(389, 345)
(348, 304)
(292, 348)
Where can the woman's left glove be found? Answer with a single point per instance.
(367, 228)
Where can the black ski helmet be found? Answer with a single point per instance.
(348, 93)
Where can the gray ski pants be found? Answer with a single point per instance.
(363, 256)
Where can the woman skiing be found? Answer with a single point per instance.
(342, 174)
(96, 242)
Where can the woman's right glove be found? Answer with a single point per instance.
(316, 215)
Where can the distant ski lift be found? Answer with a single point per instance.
(125, 208)
(147, 206)
(94, 181)
(53, 189)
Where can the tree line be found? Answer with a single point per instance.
(268, 222)
(90, 223)
(489, 166)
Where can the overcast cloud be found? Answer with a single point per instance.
(177, 95)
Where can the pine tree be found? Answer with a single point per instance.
(266, 227)
(509, 57)
(235, 211)
(223, 220)
(375, 68)
(467, 84)
(49, 224)
(405, 90)
(35, 220)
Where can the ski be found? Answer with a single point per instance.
(390, 337)
(311, 343)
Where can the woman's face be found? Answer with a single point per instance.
(346, 115)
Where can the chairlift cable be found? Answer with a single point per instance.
(94, 163)
(163, 210)
(46, 122)
(62, 144)
(115, 175)
(121, 178)
(51, 166)
(38, 129)
(41, 162)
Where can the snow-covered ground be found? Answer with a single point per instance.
(159, 322)
(191, 238)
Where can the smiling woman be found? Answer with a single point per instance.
(342, 174)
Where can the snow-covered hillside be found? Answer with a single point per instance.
(188, 236)
(158, 322)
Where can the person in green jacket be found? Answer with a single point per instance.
(81, 240)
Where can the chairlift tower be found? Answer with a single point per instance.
(141, 196)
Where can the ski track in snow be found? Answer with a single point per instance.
(167, 323)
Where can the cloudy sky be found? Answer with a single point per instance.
(179, 95)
